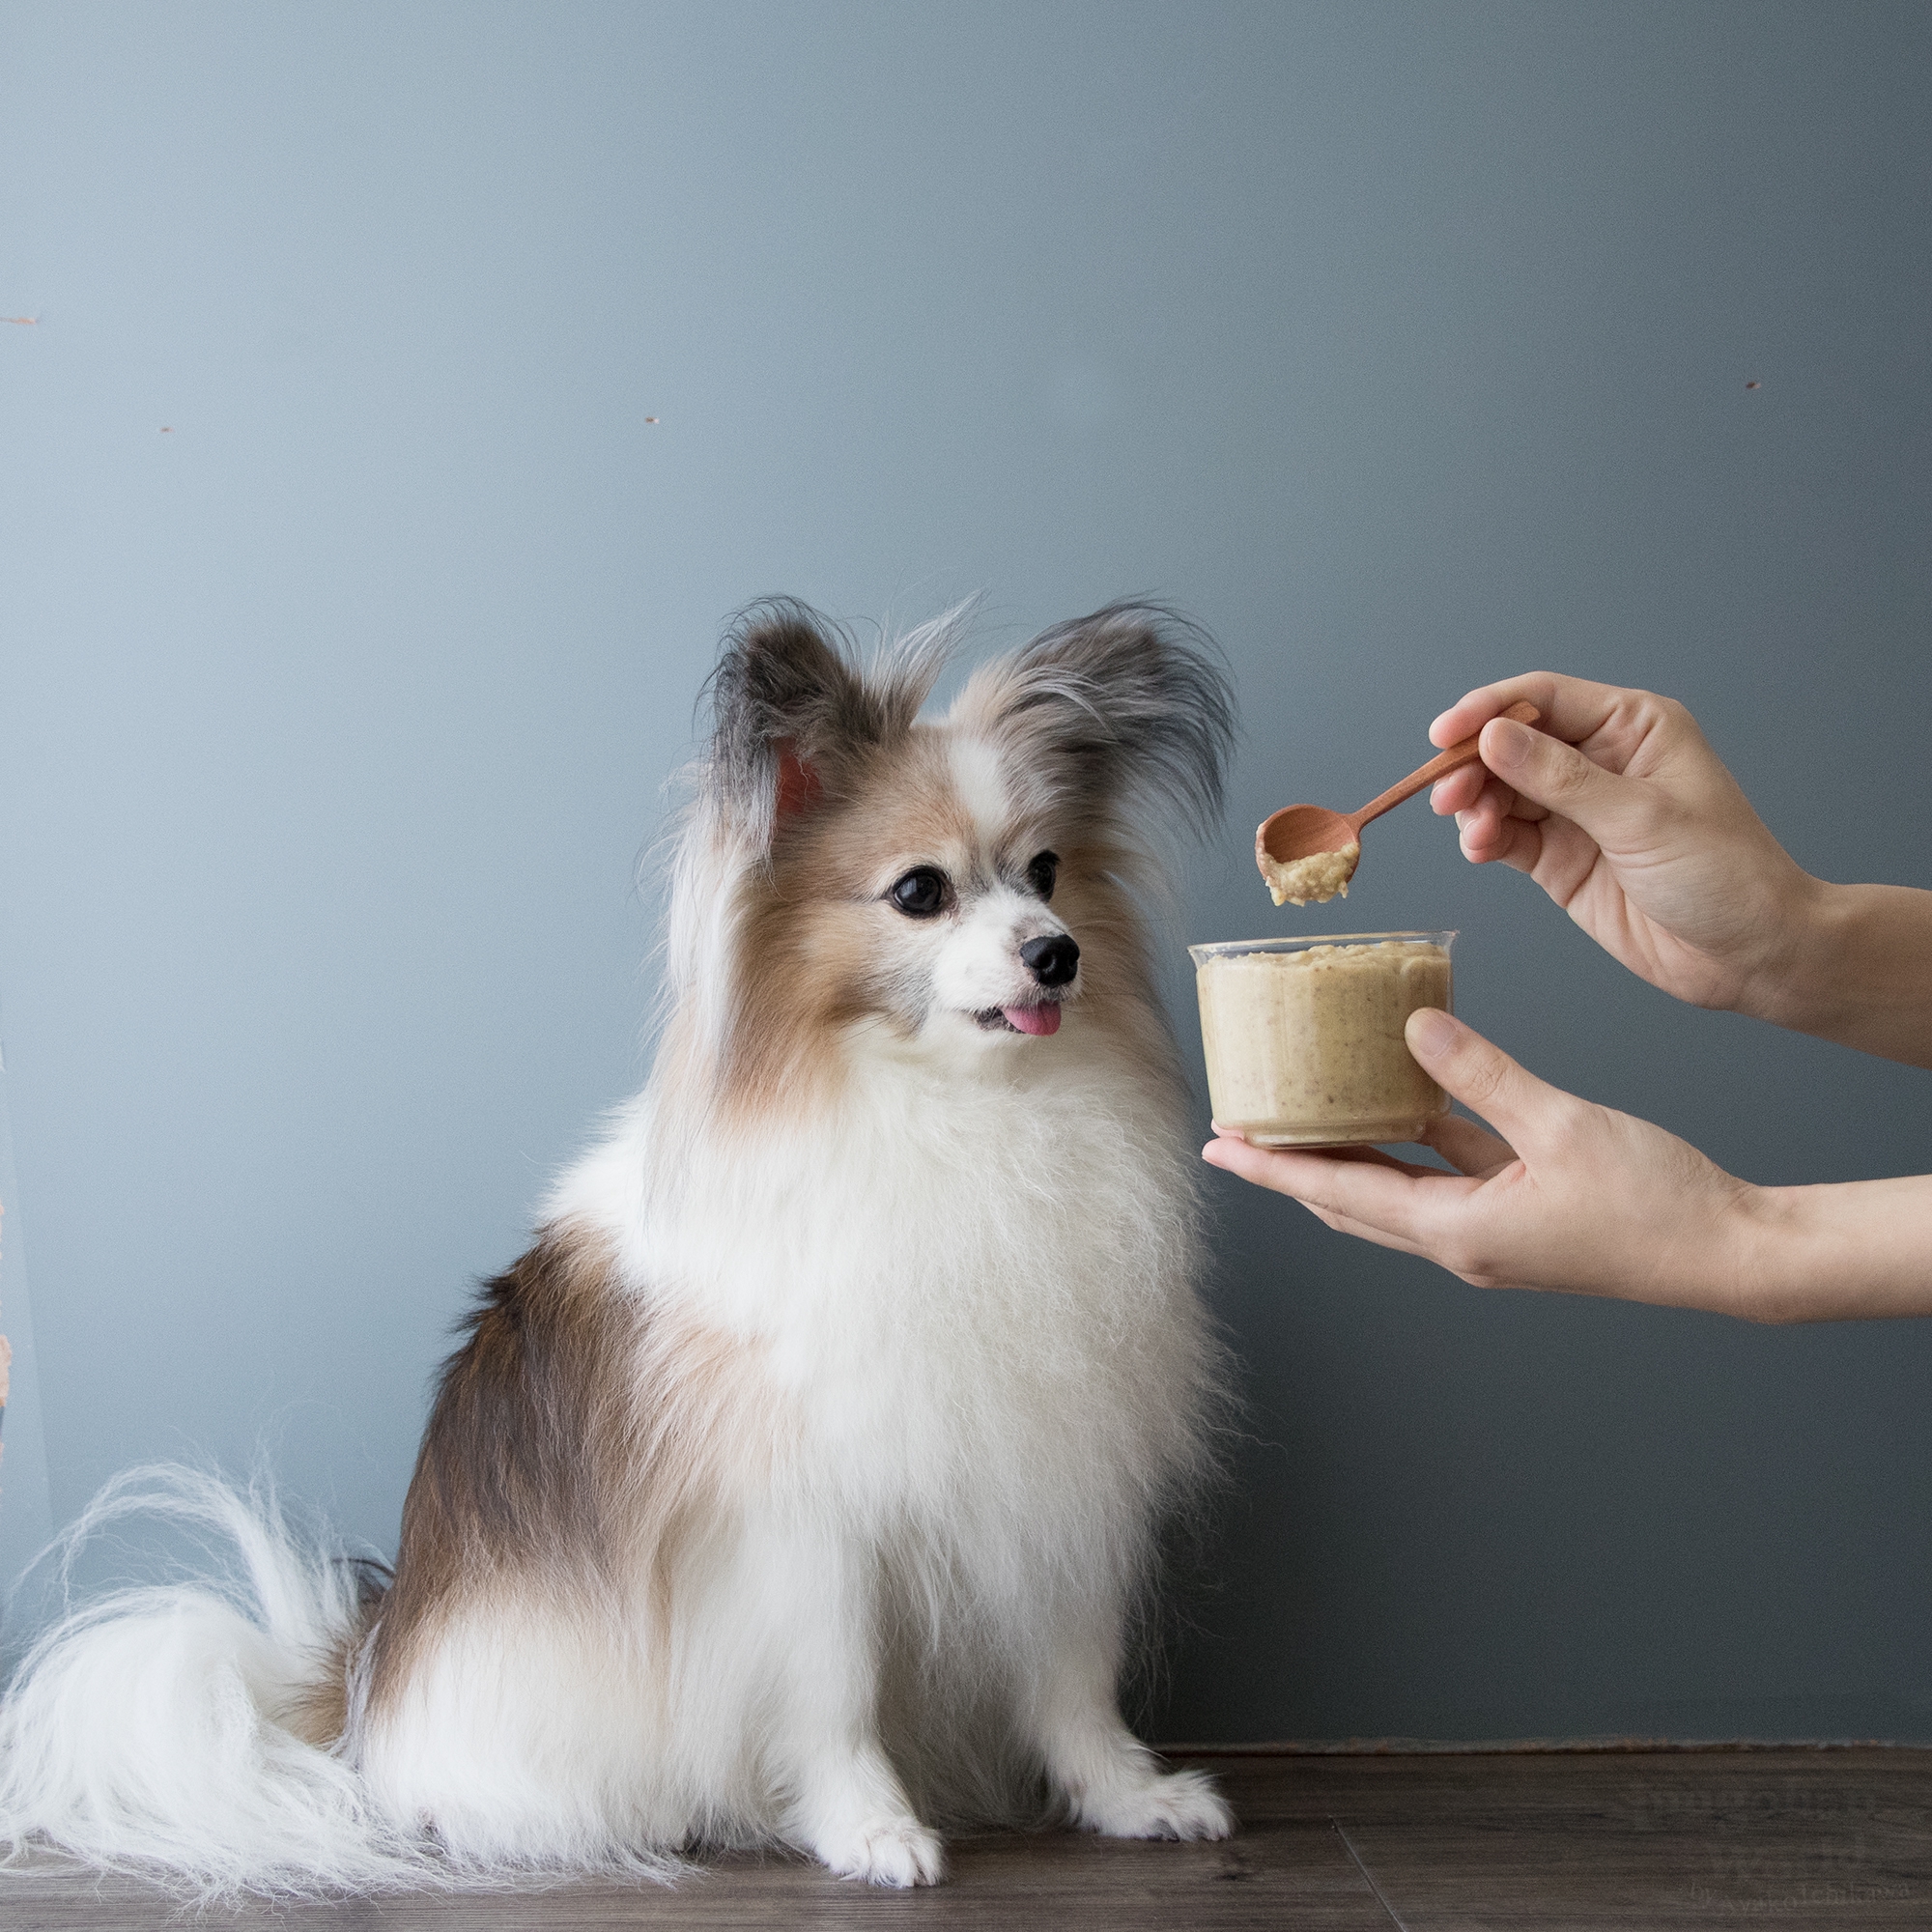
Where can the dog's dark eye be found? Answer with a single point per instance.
(1042, 871)
(921, 894)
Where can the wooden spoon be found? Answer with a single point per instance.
(1308, 852)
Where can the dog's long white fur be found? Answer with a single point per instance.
(143, 1731)
(968, 1295)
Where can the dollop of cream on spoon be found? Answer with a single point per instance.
(1312, 880)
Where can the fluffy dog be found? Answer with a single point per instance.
(802, 1481)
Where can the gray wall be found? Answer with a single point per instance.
(354, 613)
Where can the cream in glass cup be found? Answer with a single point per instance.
(1305, 1036)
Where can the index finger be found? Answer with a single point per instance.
(1573, 708)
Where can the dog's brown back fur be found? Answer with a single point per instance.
(527, 1447)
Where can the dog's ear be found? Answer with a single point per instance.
(1128, 710)
(793, 717)
(783, 701)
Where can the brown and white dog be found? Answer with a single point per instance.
(800, 1483)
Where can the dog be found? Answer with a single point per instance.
(802, 1483)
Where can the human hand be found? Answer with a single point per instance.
(1617, 807)
(1578, 1198)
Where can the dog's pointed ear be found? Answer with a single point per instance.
(785, 703)
(1127, 711)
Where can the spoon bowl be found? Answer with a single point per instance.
(1308, 846)
(1300, 831)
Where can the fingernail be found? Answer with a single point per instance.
(1505, 742)
(1431, 1032)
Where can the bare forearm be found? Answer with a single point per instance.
(1851, 1252)
(1857, 968)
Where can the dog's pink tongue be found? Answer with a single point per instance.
(1041, 1020)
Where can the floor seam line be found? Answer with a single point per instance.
(1368, 1877)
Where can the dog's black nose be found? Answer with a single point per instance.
(1054, 962)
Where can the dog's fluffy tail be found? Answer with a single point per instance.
(160, 1730)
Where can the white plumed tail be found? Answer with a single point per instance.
(149, 1732)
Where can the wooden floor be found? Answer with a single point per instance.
(1559, 1840)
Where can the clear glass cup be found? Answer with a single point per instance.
(1305, 1036)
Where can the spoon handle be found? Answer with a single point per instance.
(1440, 767)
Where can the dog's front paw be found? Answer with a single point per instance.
(1183, 1805)
(887, 1851)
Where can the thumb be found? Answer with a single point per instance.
(1560, 778)
(1480, 1074)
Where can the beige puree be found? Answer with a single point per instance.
(1305, 1048)
(1319, 876)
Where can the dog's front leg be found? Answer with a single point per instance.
(845, 1802)
(1111, 1781)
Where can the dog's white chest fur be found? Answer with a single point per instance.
(945, 1282)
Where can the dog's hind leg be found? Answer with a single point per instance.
(1111, 1781)
(844, 1801)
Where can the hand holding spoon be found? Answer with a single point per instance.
(1308, 852)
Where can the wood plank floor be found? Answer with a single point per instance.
(1559, 1840)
